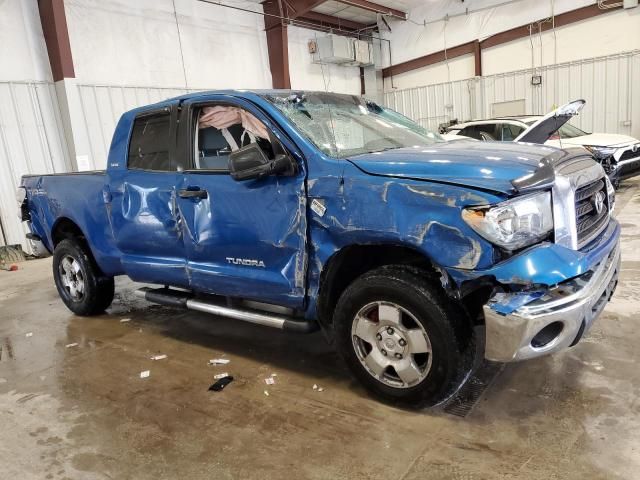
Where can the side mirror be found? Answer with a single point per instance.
(250, 162)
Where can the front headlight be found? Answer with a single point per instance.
(515, 223)
(611, 193)
(601, 152)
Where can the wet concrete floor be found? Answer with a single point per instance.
(83, 412)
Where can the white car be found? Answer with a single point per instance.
(618, 154)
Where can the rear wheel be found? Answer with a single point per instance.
(84, 289)
(402, 337)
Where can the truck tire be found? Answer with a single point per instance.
(403, 338)
(84, 289)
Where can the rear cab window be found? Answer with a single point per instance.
(149, 147)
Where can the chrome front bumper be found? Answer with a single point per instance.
(567, 311)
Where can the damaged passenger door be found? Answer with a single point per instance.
(245, 238)
(142, 202)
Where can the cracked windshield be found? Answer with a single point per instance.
(345, 125)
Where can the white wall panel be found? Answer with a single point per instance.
(610, 85)
(143, 42)
(23, 53)
(313, 76)
(433, 104)
(102, 106)
(31, 141)
(458, 68)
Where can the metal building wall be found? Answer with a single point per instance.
(610, 85)
(102, 106)
(434, 104)
(31, 141)
(32, 138)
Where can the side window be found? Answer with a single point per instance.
(149, 146)
(223, 129)
(515, 130)
(470, 131)
(488, 131)
(505, 133)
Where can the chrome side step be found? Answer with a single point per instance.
(181, 299)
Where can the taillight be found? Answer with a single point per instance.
(23, 209)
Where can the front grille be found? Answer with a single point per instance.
(629, 170)
(590, 222)
(629, 154)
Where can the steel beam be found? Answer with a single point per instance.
(476, 46)
(432, 58)
(277, 44)
(56, 36)
(561, 20)
(376, 8)
(332, 22)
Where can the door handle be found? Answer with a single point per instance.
(195, 193)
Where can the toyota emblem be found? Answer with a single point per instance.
(598, 202)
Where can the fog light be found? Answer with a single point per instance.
(547, 335)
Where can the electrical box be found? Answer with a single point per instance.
(333, 49)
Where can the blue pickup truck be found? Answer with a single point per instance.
(305, 210)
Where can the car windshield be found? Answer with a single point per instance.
(566, 131)
(346, 125)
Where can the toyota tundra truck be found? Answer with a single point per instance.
(310, 210)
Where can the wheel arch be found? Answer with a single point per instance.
(352, 261)
(64, 228)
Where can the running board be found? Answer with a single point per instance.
(180, 299)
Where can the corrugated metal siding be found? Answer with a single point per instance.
(32, 138)
(31, 141)
(434, 104)
(102, 106)
(610, 85)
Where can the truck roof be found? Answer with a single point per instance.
(246, 93)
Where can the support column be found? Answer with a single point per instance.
(56, 36)
(477, 57)
(277, 45)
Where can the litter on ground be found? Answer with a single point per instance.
(221, 375)
(159, 357)
(219, 361)
(266, 393)
(269, 380)
(315, 387)
(221, 383)
(29, 334)
(69, 345)
(145, 374)
(123, 320)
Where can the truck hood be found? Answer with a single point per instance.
(502, 167)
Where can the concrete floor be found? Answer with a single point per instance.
(83, 412)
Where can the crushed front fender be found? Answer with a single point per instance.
(543, 265)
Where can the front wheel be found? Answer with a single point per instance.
(83, 288)
(402, 337)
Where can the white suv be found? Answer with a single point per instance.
(618, 154)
